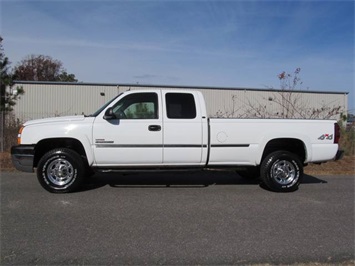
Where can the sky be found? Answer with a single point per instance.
(242, 44)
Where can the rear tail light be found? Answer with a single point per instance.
(336, 133)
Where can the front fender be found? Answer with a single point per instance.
(80, 131)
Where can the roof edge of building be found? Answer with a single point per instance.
(168, 86)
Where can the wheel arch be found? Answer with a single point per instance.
(293, 145)
(46, 145)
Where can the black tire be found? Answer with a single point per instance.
(60, 171)
(281, 171)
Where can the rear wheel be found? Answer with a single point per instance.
(60, 170)
(282, 171)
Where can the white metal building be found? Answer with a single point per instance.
(48, 99)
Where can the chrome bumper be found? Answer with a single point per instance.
(22, 157)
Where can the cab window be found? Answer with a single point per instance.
(137, 106)
(180, 106)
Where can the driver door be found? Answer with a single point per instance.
(134, 135)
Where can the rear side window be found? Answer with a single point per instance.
(180, 106)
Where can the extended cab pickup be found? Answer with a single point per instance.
(170, 130)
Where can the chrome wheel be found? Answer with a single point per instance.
(284, 172)
(281, 171)
(60, 172)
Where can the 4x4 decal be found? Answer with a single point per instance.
(326, 136)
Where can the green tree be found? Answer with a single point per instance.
(8, 95)
(65, 77)
(42, 68)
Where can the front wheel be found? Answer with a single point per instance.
(60, 170)
(281, 171)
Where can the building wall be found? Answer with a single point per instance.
(255, 103)
(49, 100)
(59, 99)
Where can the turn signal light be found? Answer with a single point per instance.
(19, 135)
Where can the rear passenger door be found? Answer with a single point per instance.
(182, 131)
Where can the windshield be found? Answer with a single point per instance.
(103, 107)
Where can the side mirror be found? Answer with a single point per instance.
(109, 114)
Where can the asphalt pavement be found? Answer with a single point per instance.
(201, 218)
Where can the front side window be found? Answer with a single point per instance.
(137, 106)
(180, 106)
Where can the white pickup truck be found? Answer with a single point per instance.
(170, 130)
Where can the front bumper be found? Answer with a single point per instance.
(339, 155)
(22, 157)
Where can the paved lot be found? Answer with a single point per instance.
(187, 218)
